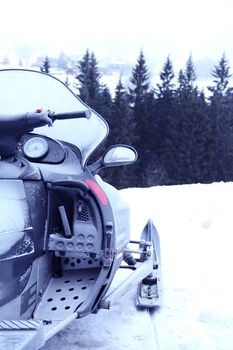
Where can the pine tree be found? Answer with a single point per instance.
(94, 77)
(104, 102)
(185, 153)
(190, 74)
(222, 120)
(83, 77)
(88, 79)
(122, 124)
(221, 77)
(166, 87)
(122, 129)
(138, 93)
(187, 79)
(45, 66)
(140, 81)
(164, 123)
(194, 148)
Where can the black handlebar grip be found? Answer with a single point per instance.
(72, 115)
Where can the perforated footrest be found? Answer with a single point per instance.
(64, 294)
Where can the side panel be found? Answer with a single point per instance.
(23, 207)
(16, 240)
(121, 214)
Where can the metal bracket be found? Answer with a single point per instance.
(141, 269)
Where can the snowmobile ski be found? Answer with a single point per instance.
(149, 289)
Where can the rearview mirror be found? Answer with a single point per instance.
(115, 156)
(119, 155)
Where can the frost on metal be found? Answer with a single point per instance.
(14, 218)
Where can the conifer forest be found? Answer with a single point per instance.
(181, 135)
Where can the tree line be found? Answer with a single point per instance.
(181, 136)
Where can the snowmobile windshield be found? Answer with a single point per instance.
(23, 91)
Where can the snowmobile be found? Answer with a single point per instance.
(64, 232)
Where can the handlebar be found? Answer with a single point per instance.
(41, 118)
(72, 115)
(36, 119)
(13, 126)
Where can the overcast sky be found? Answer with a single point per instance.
(120, 28)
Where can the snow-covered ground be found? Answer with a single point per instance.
(195, 224)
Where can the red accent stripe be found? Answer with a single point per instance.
(98, 191)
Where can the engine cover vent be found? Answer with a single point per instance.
(82, 212)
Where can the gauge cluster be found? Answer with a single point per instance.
(42, 149)
(35, 147)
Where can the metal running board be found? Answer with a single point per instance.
(24, 334)
(64, 294)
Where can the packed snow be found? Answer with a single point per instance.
(195, 225)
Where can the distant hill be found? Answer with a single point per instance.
(110, 68)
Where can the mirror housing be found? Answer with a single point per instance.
(117, 155)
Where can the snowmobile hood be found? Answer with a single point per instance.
(23, 91)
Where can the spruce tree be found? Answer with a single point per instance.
(139, 80)
(187, 80)
(45, 66)
(222, 119)
(185, 154)
(138, 93)
(83, 77)
(190, 74)
(122, 123)
(164, 120)
(194, 149)
(221, 76)
(122, 131)
(94, 77)
(104, 102)
(166, 87)
(88, 79)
